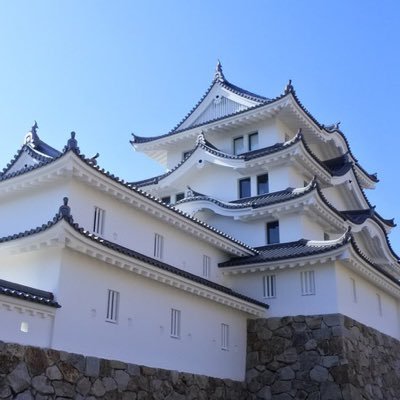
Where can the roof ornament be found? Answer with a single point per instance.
(289, 87)
(72, 144)
(347, 235)
(337, 125)
(200, 139)
(219, 75)
(93, 160)
(189, 192)
(65, 210)
(299, 133)
(32, 135)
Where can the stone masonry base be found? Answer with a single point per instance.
(323, 357)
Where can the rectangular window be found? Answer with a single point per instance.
(98, 220)
(262, 184)
(158, 246)
(244, 188)
(224, 337)
(253, 141)
(175, 323)
(273, 232)
(307, 283)
(166, 199)
(238, 145)
(354, 289)
(379, 300)
(112, 306)
(179, 196)
(206, 266)
(269, 286)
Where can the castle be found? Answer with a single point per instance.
(261, 213)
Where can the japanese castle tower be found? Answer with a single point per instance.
(261, 213)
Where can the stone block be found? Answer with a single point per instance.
(69, 373)
(98, 388)
(24, 396)
(92, 367)
(333, 320)
(115, 364)
(121, 379)
(286, 374)
(53, 373)
(319, 374)
(19, 378)
(83, 386)
(64, 389)
(42, 384)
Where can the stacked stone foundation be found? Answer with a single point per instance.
(304, 357)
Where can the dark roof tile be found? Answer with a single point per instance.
(27, 293)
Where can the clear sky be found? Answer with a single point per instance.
(108, 68)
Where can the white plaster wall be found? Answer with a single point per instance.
(38, 269)
(142, 334)
(13, 312)
(270, 132)
(365, 309)
(135, 230)
(252, 232)
(289, 300)
(291, 228)
(30, 208)
(334, 197)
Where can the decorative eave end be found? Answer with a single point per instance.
(64, 210)
(72, 144)
(289, 87)
(200, 139)
(219, 75)
(32, 137)
(347, 236)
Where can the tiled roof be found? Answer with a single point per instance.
(27, 293)
(256, 201)
(35, 148)
(303, 248)
(73, 147)
(338, 165)
(65, 214)
(285, 251)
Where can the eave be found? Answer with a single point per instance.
(157, 147)
(63, 233)
(71, 165)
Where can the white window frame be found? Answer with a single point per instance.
(237, 151)
(98, 220)
(175, 331)
(250, 136)
(379, 300)
(307, 279)
(158, 250)
(206, 266)
(224, 337)
(354, 290)
(269, 286)
(112, 306)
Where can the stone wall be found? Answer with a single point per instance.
(31, 373)
(321, 357)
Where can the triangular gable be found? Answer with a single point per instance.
(219, 101)
(24, 159)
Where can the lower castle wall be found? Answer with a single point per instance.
(304, 357)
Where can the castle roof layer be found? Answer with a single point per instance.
(64, 214)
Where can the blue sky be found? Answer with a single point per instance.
(105, 69)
